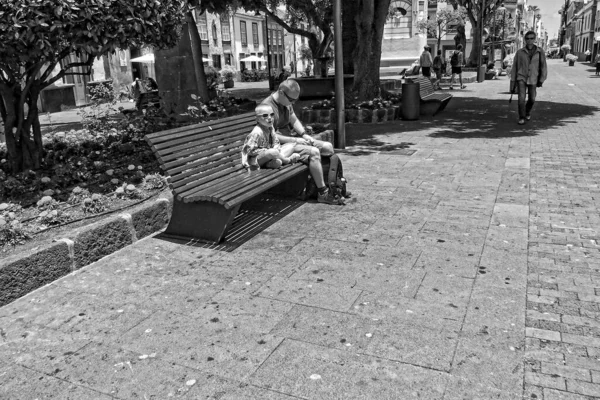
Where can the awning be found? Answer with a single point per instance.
(146, 58)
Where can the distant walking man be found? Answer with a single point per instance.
(426, 62)
(529, 71)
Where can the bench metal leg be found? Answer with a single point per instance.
(442, 106)
(203, 220)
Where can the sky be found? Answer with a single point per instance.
(550, 16)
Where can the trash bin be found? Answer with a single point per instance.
(481, 73)
(411, 100)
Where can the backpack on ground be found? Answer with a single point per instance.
(454, 59)
(333, 174)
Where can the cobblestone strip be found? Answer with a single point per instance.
(563, 282)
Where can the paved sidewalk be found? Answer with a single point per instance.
(467, 270)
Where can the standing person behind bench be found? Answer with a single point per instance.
(262, 148)
(310, 150)
(456, 61)
(437, 69)
(426, 62)
(529, 71)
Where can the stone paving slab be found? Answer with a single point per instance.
(467, 270)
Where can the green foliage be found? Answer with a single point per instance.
(228, 73)
(94, 204)
(12, 233)
(78, 195)
(154, 181)
(33, 30)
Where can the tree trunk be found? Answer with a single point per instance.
(23, 134)
(476, 48)
(370, 19)
(196, 44)
(349, 34)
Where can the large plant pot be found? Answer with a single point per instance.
(571, 63)
(228, 84)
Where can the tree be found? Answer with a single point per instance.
(474, 11)
(216, 7)
(363, 22)
(317, 14)
(38, 36)
(368, 17)
(445, 18)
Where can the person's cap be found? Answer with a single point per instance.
(291, 88)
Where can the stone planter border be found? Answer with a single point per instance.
(28, 270)
(361, 115)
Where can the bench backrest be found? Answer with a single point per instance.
(425, 86)
(200, 153)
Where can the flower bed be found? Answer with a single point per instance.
(101, 168)
(376, 110)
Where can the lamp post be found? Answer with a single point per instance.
(481, 72)
(268, 50)
(502, 9)
(518, 30)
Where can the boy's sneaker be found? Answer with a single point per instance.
(528, 117)
(328, 198)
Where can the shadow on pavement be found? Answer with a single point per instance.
(465, 118)
(470, 118)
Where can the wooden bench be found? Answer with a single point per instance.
(431, 102)
(208, 180)
(148, 99)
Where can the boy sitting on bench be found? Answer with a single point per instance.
(261, 147)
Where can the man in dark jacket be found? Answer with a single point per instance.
(529, 71)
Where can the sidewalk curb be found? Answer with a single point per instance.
(22, 273)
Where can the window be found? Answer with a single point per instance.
(243, 33)
(202, 26)
(227, 57)
(225, 34)
(279, 37)
(216, 61)
(255, 33)
(214, 32)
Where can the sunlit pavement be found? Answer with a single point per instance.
(468, 269)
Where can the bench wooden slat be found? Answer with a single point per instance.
(239, 179)
(272, 180)
(167, 156)
(198, 185)
(224, 146)
(205, 170)
(175, 145)
(205, 173)
(252, 185)
(159, 137)
(199, 159)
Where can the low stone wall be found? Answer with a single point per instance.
(26, 271)
(361, 115)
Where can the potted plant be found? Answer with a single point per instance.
(565, 48)
(571, 58)
(228, 74)
(213, 78)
